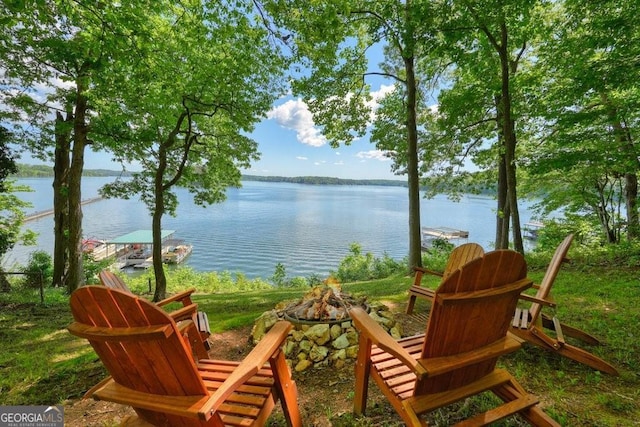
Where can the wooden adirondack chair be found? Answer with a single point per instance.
(456, 357)
(459, 256)
(189, 311)
(530, 324)
(152, 370)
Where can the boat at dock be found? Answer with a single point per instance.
(175, 251)
(531, 229)
(448, 234)
(135, 249)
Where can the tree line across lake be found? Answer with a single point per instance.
(43, 171)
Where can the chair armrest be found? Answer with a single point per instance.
(377, 335)
(440, 365)
(137, 333)
(427, 271)
(447, 298)
(251, 364)
(178, 297)
(184, 313)
(183, 406)
(537, 300)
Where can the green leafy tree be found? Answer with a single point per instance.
(55, 53)
(204, 77)
(332, 40)
(583, 153)
(484, 45)
(11, 207)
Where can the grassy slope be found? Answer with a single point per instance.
(40, 363)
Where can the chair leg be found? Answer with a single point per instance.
(195, 340)
(534, 414)
(547, 322)
(410, 304)
(362, 370)
(286, 388)
(566, 350)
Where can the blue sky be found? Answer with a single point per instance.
(291, 145)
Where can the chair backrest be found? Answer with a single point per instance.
(472, 308)
(559, 256)
(138, 343)
(460, 256)
(110, 280)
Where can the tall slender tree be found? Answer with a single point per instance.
(588, 113)
(332, 41)
(485, 44)
(55, 52)
(202, 80)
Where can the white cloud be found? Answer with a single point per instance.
(376, 96)
(373, 155)
(302, 158)
(339, 163)
(296, 116)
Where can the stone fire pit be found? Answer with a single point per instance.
(322, 334)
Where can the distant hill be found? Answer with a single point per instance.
(324, 180)
(43, 171)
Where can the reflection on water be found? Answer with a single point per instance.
(306, 228)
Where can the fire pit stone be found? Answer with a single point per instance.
(323, 334)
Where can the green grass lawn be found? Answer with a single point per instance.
(41, 363)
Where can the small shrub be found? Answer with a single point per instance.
(297, 282)
(39, 268)
(358, 266)
(279, 275)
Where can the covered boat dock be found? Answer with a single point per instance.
(136, 248)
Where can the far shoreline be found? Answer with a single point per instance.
(46, 171)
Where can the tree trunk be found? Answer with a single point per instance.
(630, 169)
(602, 210)
(415, 234)
(510, 141)
(156, 227)
(75, 277)
(61, 198)
(631, 199)
(503, 213)
(5, 286)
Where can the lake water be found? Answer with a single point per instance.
(307, 228)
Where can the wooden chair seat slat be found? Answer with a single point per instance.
(249, 389)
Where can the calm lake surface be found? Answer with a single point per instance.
(307, 228)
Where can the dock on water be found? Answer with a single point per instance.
(42, 214)
(431, 234)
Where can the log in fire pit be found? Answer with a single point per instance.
(323, 304)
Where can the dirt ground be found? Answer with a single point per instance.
(325, 395)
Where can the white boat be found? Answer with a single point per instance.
(175, 251)
(136, 249)
(531, 230)
(431, 234)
